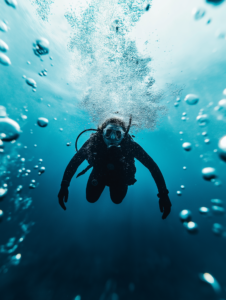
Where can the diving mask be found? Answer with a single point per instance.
(113, 135)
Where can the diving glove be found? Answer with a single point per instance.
(164, 204)
(63, 196)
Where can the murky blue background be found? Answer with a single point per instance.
(102, 250)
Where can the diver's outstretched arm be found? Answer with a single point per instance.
(71, 168)
(148, 162)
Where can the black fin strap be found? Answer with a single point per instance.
(84, 171)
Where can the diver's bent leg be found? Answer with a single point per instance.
(118, 192)
(94, 188)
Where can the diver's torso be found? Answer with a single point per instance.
(114, 163)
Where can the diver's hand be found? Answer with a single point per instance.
(165, 205)
(63, 196)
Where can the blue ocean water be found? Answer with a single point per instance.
(111, 58)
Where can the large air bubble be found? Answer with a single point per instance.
(3, 46)
(222, 148)
(209, 173)
(191, 99)
(12, 3)
(9, 129)
(41, 47)
(4, 60)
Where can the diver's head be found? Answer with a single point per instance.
(113, 131)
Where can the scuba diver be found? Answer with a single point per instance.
(111, 152)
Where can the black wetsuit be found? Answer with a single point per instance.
(113, 167)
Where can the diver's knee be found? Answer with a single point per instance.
(91, 198)
(117, 199)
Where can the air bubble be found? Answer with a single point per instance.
(42, 122)
(3, 46)
(209, 173)
(222, 148)
(217, 229)
(218, 202)
(191, 227)
(31, 82)
(185, 215)
(3, 27)
(4, 60)
(203, 120)
(12, 3)
(42, 170)
(218, 210)
(41, 47)
(187, 146)
(9, 129)
(191, 99)
(1, 215)
(204, 210)
(198, 13)
(3, 192)
(179, 193)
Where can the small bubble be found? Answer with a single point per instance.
(218, 210)
(3, 27)
(207, 141)
(1, 215)
(202, 120)
(184, 168)
(42, 122)
(185, 215)
(191, 227)
(176, 104)
(42, 170)
(198, 13)
(31, 82)
(204, 210)
(187, 146)
(217, 229)
(61, 129)
(179, 193)
(182, 186)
